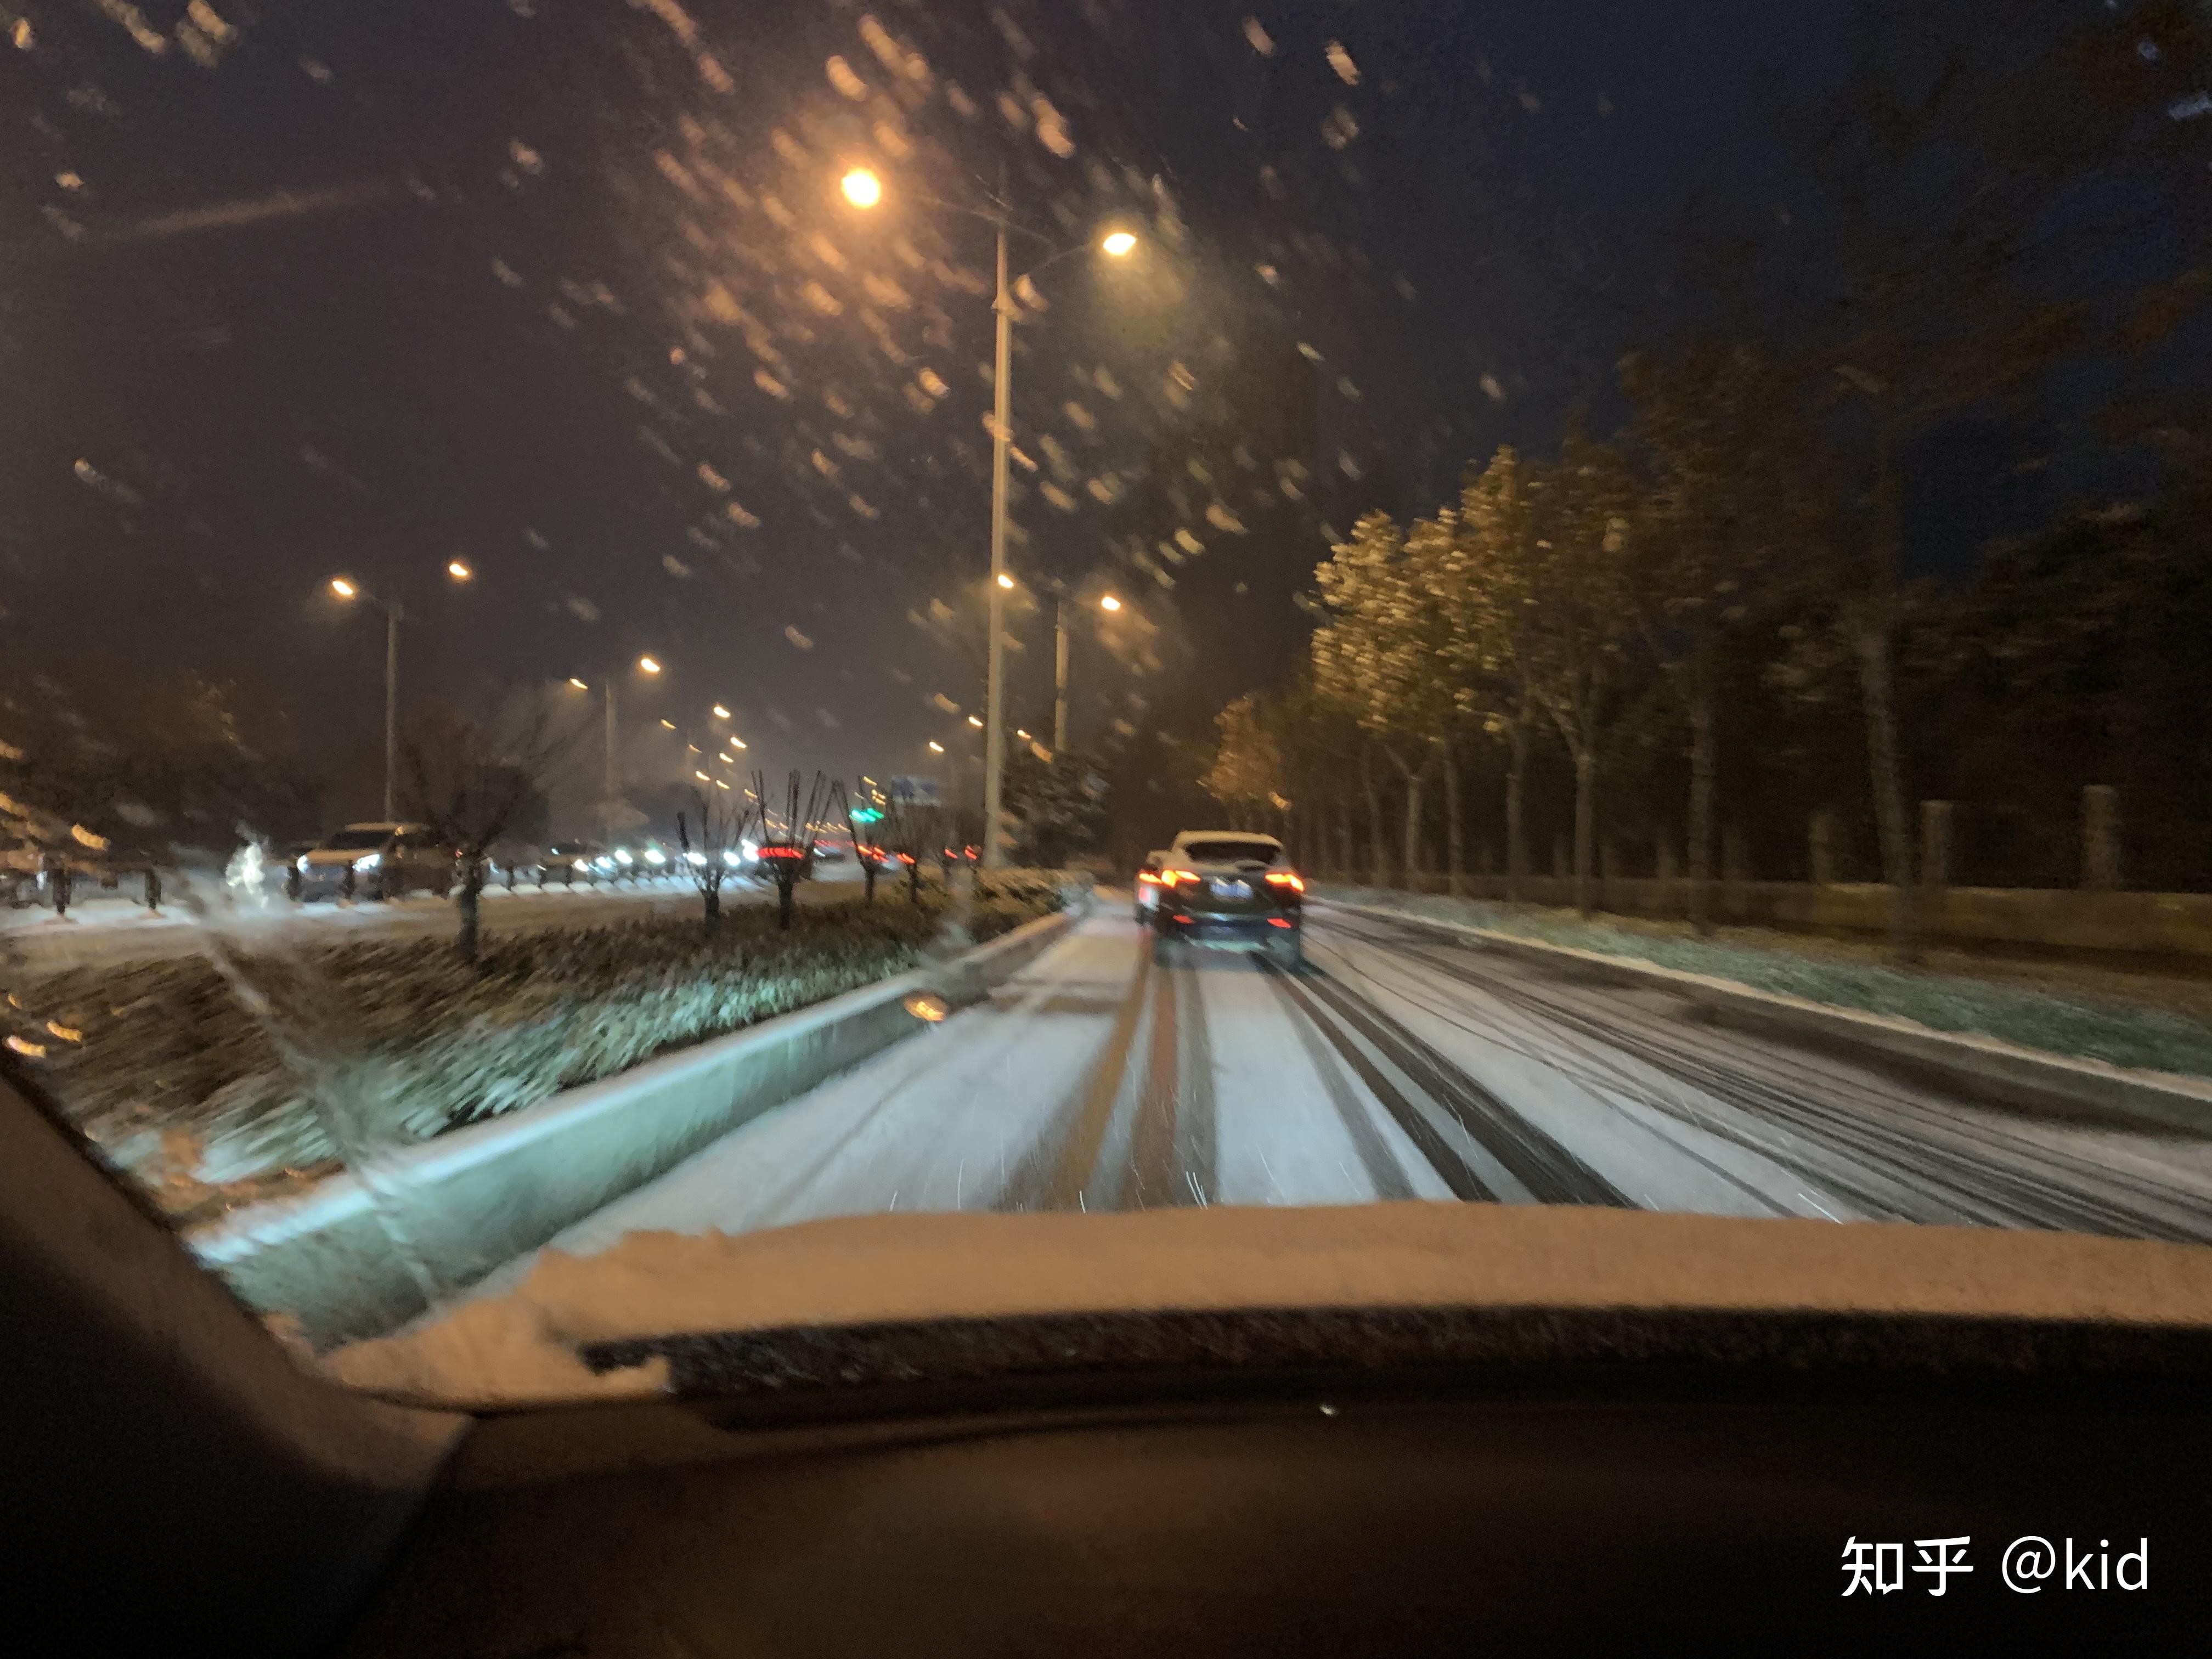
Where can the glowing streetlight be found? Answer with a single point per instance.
(734, 744)
(864, 189)
(702, 777)
(976, 720)
(578, 684)
(721, 713)
(649, 665)
(459, 571)
(935, 747)
(1024, 736)
(861, 187)
(668, 726)
(348, 590)
(1109, 602)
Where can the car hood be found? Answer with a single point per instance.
(652, 1291)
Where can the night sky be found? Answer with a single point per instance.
(564, 289)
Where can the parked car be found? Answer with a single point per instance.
(1148, 884)
(1223, 886)
(387, 861)
(565, 861)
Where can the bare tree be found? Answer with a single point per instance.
(709, 835)
(910, 829)
(470, 780)
(872, 858)
(788, 839)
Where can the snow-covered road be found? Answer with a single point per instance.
(1400, 1064)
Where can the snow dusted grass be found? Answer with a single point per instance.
(2150, 1039)
(186, 1086)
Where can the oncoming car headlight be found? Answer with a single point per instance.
(369, 863)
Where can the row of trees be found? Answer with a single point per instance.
(1746, 530)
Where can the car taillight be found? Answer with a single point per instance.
(1289, 878)
(1175, 877)
(1144, 876)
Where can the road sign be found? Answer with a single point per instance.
(917, 791)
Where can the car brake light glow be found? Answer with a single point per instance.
(1289, 878)
(1176, 878)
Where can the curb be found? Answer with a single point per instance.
(1984, 1068)
(468, 1201)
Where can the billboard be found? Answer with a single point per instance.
(917, 791)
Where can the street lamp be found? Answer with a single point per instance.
(646, 664)
(1109, 602)
(346, 589)
(864, 189)
(721, 713)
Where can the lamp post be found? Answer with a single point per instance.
(646, 664)
(1107, 602)
(350, 589)
(864, 189)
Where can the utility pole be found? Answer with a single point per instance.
(391, 707)
(607, 783)
(994, 729)
(1060, 678)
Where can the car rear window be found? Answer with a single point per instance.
(1230, 852)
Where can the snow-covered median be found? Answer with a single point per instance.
(214, 1089)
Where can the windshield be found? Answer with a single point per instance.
(355, 841)
(1679, 533)
(1225, 851)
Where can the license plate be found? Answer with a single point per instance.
(1233, 889)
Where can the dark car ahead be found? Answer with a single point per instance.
(1225, 886)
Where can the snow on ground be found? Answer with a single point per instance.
(1397, 1067)
(116, 929)
(2077, 1006)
